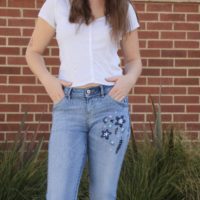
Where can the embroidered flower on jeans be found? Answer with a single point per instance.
(105, 133)
(120, 120)
(113, 125)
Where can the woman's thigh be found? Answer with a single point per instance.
(108, 140)
(67, 150)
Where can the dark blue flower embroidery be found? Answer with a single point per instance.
(120, 120)
(105, 133)
(116, 121)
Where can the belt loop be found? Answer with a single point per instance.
(69, 92)
(102, 90)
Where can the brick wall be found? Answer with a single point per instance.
(169, 42)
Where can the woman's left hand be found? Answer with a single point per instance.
(121, 87)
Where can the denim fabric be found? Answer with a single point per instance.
(87, 123)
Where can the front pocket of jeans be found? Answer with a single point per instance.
(124, 101)
(57, 103)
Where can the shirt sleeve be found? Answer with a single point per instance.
(47, 12)
(134, 24)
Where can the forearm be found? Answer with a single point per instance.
(133, 70)
(36, 64)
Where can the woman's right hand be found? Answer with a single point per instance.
(54, 88)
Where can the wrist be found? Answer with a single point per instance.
(130, 78)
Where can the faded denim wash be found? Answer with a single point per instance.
(87, 124)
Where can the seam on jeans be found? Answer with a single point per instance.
(79, 177)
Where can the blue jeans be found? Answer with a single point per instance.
(87, 123)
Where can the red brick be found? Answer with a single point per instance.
(159, 7)
(173, 53)
(9, 107)
(9, 51)
(138, 118)
(174, 72)
(193, 108)
(186, 117)
(146, 90)
(30, 13)
(136, 99)
(148, 35)
(139, 6)
(2, 98)
(34, 107)
(194, 90)
(172, 17)
(19, 4)
(187, 44)
(10, 31)
(186, 99)
(160, 62)
(157, 81)
(186, 81)
(21, 79)
(164, 117)
(159, 26)
(193, 126)
(3, 79)
(186, 26)
(18, 117)
(148, 16)
(33, 89)
(187, 63)
(185, 7)
(9, 70)
(10, 12)
(9, 89)
(21, 22)
(173, 90)
(2, 22)
(18, 42)
(193, 35)
(2, 41)
(173, 35)
(172, 108)
(194, 53)
(2, 60)
(193, 17)
(194, 72)
(20, 98)
(14, 60)
(160, 44)
(141, 108)
(150, 53)
(151, 72)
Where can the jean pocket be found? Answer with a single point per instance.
(59, 102)
(123, 102)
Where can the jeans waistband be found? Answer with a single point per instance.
(87, 92)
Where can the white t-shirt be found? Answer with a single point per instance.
(88, 56)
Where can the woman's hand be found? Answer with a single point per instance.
(54, 88)
(121, 88)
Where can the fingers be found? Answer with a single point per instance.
(65, 83)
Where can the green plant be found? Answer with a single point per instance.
(23, 174)
(161, 169)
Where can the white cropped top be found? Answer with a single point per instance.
(87, 56)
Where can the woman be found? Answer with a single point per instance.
(90, 96)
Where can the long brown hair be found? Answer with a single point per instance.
(115, 13)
